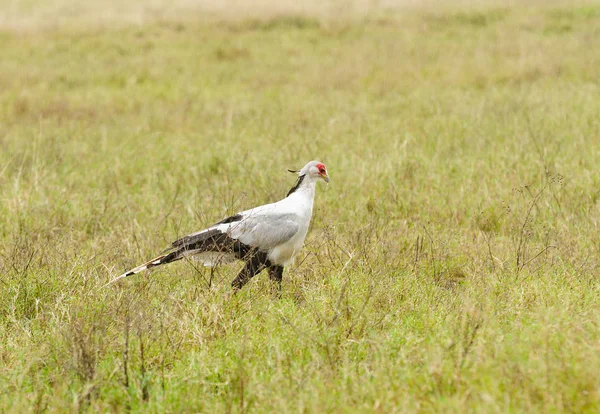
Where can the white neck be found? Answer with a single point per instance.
(305, 193)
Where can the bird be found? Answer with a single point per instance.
(264, 237)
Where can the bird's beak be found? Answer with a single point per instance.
(325, 177)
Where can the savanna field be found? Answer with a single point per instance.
(452, 263)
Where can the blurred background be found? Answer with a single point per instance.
(452, 262)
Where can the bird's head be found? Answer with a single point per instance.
(314, 169)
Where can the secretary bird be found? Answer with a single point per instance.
(264, 237)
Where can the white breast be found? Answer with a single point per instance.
(301, 206)
(284, 253)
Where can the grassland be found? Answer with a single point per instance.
(452, 263)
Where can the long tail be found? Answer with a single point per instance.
(211, 239)
(157, 261)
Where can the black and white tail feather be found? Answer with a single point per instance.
(265, 237)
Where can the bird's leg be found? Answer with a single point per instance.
(255, 263)
(276, 275)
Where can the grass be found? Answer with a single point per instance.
(452, 263)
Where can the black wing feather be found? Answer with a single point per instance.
(193, 239)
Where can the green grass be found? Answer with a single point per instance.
(452, 263)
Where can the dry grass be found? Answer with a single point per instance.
(452, 263)
(34, 15)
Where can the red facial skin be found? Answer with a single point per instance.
(322, 169)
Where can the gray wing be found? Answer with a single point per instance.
(265, 230)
